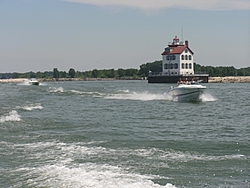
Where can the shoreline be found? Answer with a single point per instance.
(227, 79)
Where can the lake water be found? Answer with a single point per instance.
(123, 134)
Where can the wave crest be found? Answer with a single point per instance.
(11, 116)
(55, 90)
(32, 107)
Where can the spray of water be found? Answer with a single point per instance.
(141, 96)
(11, 116)
(207, 97)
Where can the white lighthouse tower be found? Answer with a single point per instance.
(177, 59)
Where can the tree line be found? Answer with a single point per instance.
(221, 71)
(155, 66)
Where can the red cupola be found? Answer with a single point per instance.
(176, 40)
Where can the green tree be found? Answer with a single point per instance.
(15, 75)
(131, 72)
(155, 66)
(55, 73)
(111, 73)
(88, 74)
(95, 73)
(243, 71)
(32, 74)
(39, 75)
(63, 74)
(120, 73)
(102, 73)
(72, 73)
(48, 74)
(79, 74)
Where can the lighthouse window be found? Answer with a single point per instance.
(186, 50)
(186, 57)
(182, 57)
(165, 66)
(167, 49)
(176, 65)
(190, 57)
(173, 57)
(182, 65)
(190, 65)
(171, 66)
(168, 58)
(186, 66)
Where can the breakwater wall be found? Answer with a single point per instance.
(229, 79)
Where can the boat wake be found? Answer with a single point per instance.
(140, 96)
(74, 92)
(128, 95)
(204, 97)
(147, 96)
(11, 116)
(87, 93)
(55, 90)
(31, 107)
(207, 97)
(66, 172)
(57, 165)
(25, 83)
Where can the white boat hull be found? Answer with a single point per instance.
(34, 82)
(187, 92)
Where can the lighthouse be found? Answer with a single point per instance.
(177, 59)
(177, 63)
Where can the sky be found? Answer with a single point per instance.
(40, 35)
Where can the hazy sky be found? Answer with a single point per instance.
(39, 35)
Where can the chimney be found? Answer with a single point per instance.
(186, 43)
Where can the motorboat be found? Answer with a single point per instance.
(190, 91)
(34, 81)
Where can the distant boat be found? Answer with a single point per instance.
(190, 92)
(34, 81)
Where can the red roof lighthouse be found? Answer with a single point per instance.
(176, 47)
(177, 63)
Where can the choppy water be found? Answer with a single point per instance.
(126, 134)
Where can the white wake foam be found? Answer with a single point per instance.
(32, 107)
(25, 83)
(179, 156)
(68, 165)
(61, 170)
(123, 91)
(207, 97)
(87, 93)
(89, 175)
(55, 90)
(11, 116)
(141, 96)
